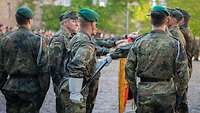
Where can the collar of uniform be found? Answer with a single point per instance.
(158, 31)
(86, 34)
(173, 28)
(66, 34)
(24, 28)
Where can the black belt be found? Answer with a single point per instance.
(142, 79)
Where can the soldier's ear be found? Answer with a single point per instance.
(29, 23)
(167, 20)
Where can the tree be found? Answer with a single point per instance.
(192, 6)
(112, 17)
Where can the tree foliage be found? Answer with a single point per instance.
(193, 8)
(112, 17)
(50, 16)
(27, 3)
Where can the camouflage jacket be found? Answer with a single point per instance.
(58, 52)
(121, 52)
(100, 50)
(18, 60)
(105, 43)
(82, 61)
(157, 56)
(189, 45)
(176, 33)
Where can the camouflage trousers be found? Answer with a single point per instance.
(183, 106)
(18, 102)
(93, 89)
(65, 105)
(159, 103)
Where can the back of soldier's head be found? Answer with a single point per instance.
(186, 16)
(174, 13)
(158, 15)
(23, 15)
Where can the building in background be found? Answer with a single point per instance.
(66, 3)
(7, 12)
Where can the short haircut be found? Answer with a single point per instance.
(83, 22)
(21, 20)
(157, 18)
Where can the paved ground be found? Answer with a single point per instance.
(107, 99)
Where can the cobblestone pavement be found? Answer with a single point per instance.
(107, 98)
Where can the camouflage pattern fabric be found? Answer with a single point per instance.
(22, 102)
(102, 48)
(105, 43)
(81, 64)
(160, 58)
(101, 51)
(58, 52)
(18, 61)
(121, 52)
(176, 33)
(183, 106)
(65, 105)
(189, 46)
(93, 89)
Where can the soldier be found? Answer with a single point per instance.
(175, 21)
(156, 68)
(23, 68)
(183, 106)
(176, 18)
(188, 37)
(59, 51)
(81, 64)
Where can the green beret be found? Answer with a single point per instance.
(160, 9)
(68, 15)
(24, 12)
(89, 15)
(176, 14)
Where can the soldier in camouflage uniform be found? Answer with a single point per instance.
(102, 48)
(175, 19)
(23, 67)
(183, 106)
(156, 68)
(82, 61)
(59, 51)
(188, 37)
